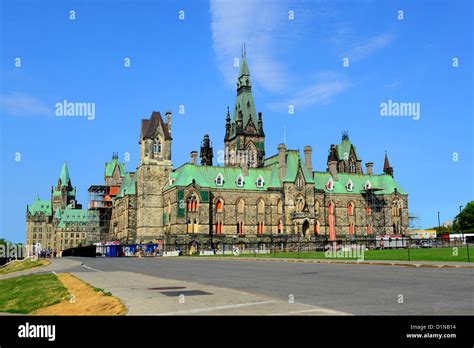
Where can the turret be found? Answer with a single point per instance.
(206, 151)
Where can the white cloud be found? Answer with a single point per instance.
(257, 24)
(320, 92)
(20, 104)
(365, 48)
(268, 33)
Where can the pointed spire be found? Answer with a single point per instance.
(227, 125)
(244, 74)
(64, 176)
(387, 169)
(386, 163)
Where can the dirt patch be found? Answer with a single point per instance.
(84, 300)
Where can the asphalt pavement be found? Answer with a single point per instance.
(352, 289)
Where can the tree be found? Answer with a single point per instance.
(442, 229)
(464, 221)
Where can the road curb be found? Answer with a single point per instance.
(373, 263)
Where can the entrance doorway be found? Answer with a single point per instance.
(305, 227)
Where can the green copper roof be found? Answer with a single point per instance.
(128, 186)
(244, 101)
(70, 194)
(244, 72)
(131, 190)
(205, 176)
(110, 167)
(40, 206)
(64, 176)
(293, 166)
(344, 150)
(78, 217)
(57, 214)
(384, 182)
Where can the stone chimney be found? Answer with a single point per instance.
(168, 120)
(282, 161)
(194, 155)
(308, 158)
(245, 168)
(369, 166)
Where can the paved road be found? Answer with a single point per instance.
(355, 289)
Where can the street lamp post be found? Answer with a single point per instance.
(439, 222)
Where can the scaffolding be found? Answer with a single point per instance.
(100, 200)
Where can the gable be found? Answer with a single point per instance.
(153, 126)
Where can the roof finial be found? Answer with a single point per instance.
(244, 53)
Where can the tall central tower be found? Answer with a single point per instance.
(244, 137)
(152, 175)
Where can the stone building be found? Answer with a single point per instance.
(59, 223)
(252, 197)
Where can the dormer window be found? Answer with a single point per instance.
(368, 185)
(240, 181)
(260, 182)
(219, 180)
(349, 185)
(330, 185)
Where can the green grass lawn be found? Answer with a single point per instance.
(432, 254)
(26, 294)
(22, 265)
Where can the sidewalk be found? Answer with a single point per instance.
(147, 295)
(432, 264)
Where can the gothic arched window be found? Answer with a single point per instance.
(279, 207)
(261, 207)
(219, 206)
(157, 147)
(240, 206)
(350, 209)
(300, 204)
(192, 203)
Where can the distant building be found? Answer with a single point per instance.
(60, 223)
(422, 234)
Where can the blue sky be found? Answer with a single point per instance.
(190, 62)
